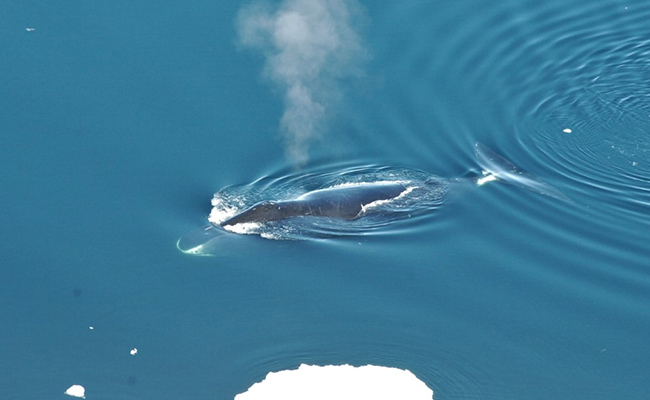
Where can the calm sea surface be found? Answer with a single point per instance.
(119, 120)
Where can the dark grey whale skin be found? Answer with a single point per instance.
(345, 202)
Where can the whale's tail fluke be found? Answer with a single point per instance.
(498, 168)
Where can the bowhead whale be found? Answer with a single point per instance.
(349, 201)
(346, 202)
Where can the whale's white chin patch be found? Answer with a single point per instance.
(340, 382)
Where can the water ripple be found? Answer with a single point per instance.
(578, 86)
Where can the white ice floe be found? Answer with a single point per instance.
(567, 130)
(339, 382)
(134, 351)
(76, 391)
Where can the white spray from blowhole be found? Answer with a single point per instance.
(310, 47)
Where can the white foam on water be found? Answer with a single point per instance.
(487, 177)
(220, 211)
(245, 228)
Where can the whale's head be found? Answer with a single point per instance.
(267, 211)
(260, 212)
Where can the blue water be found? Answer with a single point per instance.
(120, 120)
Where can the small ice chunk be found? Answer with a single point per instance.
(30, 29)
(76, 391)
(566, 130)
(134, 351)
(340, 382)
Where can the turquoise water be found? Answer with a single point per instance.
(121, 120)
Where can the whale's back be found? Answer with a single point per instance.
(344, 201)
(348, 201)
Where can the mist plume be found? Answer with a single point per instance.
(309, 47)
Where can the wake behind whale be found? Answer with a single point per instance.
(354, 201)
